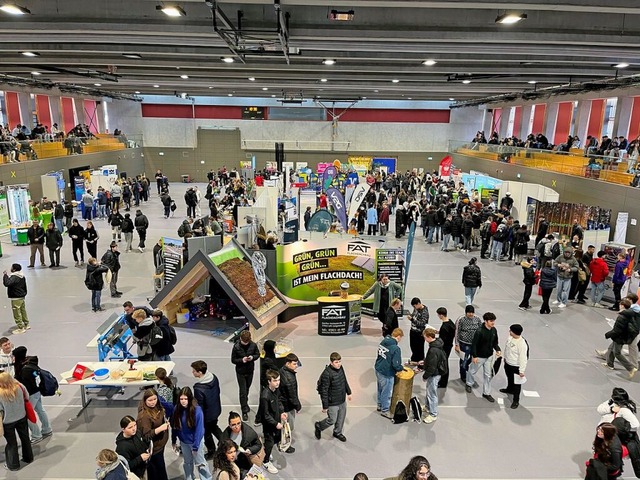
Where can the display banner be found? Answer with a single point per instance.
(619, 236)
(171, 257)
(307, 270)
(339, 207)
(445, 167)
(357, 198)
(410, 239)
(327, 177)
(390, 262)
(320, 221)
(4, 210)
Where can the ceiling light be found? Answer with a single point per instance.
(184, 77)
(273, 96)
(132, 55)
(264, 89)
(172, 11)
(375, 91)
(341, 16)
(510, 18)
(329, 61)
(364, 98)
(35, 73)
(395, 80)
(621, 65)
(466, 82)
(451, 99)
(227, 59)
(156, 86)
(532, 82)
(15, 9)
(230, 95)
(252, 79)
(137, 92)
(323, 80)
(429, 63)
(210, 88)
(409, 98)
(98, 84)
(30, 54)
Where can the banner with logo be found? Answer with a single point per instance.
(357, 198)
(327, 177)
(307, 270)
(339, 207)
(320, 221)
(445, 166)
(410, 240)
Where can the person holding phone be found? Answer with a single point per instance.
(154, 427)
(131, 446)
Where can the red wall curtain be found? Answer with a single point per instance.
(634, 123)
(90, 115)
(13, 109)
(495, 121)
(538, 118)
(43, 110)
(563, 122)
(517, 123)
(596, 118)
(68, 117)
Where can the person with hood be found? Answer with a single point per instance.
(94, 282)
(248, 441)
(623, 332)
(132, 446)
(388, 364)
(566, 265)
(435, 365)
(548, 280)
(111, 259)
(17, 291)
(111, 466)
(162, 349)
(619, 277)
(154, 427)
(400, 221)
(384, 290)
(472, 280)
(529, 280)
(289, 390)
(141, 223)
(28, 374)
(127, 230)
(516, 354)
(207, 392)
(599, 272)
(76, 233)
(446, 234)
(142, 334)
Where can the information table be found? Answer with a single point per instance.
(339, 316)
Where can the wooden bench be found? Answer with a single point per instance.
(621, 178)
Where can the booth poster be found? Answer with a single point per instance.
(390, 262)
(4, 210)
(171, 257)
(307, 270)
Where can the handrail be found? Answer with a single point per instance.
(313, 145)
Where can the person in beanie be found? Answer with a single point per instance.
(483, 346)
(16, 291)
(516, 354)
(388, 363)
(435, 365)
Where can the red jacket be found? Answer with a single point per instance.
(599, 270)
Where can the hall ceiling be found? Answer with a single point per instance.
(82, 43)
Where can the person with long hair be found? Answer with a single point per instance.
(418, 468)
(131, 446)
(547, 284)
(165, 391)
(224, 464)
(110, 466)
(607, 449)
(187, 424)
(154, 426)
(13, 396)
(248, 442)
(91, 239)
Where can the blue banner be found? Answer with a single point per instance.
(407, 263)
(339, 207)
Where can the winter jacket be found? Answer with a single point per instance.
(94, 280)
(91, 235)
(16, 285)
(35, 235)
(289, 390)
(446, 227)
(131, 448)
(395, 291)
(372, 216)
(115, 219)
(521, 242)
(239, 351)
(456, 226)
(78, 232)
(384, 216)
(548, 278)
(29, 375)
(127, 225)
(117, 472)
(619, 276)
(435, 361)
(471, 276)
(250, 440)
(599, 270)
(620, 333)
(146, 427)
(467, 227)
(391, 321)
(58, 212)
(571, 262)
(333, 387)
(189, 437)
(142, 338)
(141, 222)
(271, 408)
(207, 392)
(528, 273)
(164, 347)
(389, 359)
(485, 341)
(111, 259)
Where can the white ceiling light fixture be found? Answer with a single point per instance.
(184, 77)
(13, 9)
(30, 54)
(252, 79)
(395, 80)
(98, 84)
(36, 73)
(136, 56)
(466, 82)
(264, 89)
(273, 96)
(227, 59)
(137, 92)
(621, 65)
(510, 18)
(172, 10)
(210, 87)
(429, 63)
(329, 61)
(375, 91)
(451, 99)
(156, 86)
(229, 94)
(532, 82)
(323, 80)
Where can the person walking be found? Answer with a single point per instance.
(127, 231)
(436, 364)
(548, 281)
(485, 343)
(388, 364)
(619, 278)
(529, 280)
(466, 327)
(516, 354)
(154, 427)
(94, 282)
(91, 239)
(419, 319)
(624, 331)
(36, 235)
(76, 233)
(472, 280)
(372, 220)
(191, 200)
(58, 216)
(566, 265)
(16, 292)
(334, 391)
(447, 334)
(273, 417)
(111, 259)
(289, 391)
(13, 413)
(244, 355)
(68, 214)
(141, 223)
(207, 393)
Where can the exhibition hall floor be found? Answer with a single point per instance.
(549, 436)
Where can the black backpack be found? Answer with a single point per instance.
(156, 336)
(173, 335)
(48, 383)
(416, 409)
(400, 413)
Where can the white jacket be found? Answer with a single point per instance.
(604, 409)
(515, 353)
(6, 363)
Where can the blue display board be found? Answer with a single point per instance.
(390, 163)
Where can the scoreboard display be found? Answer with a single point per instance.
(253, 113)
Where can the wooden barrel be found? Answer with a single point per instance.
(402, 388)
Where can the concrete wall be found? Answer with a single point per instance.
(129, 160)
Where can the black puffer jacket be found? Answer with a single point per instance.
(456, 226)
(28, 375)
(435, 361)
(467, 227)
(333, 387)
(16, 285)
(472, 276)
(131, 448)
(548, 278)
(620, 332)
(289, 390)
(446, 227)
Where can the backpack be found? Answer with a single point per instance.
(400, 413)
(48, 383)
(548, 249)
(443, 366)
(582, 275)
(555, 251)
(181, 230)
(156, 336)
(500, 235)
(173, 206)
(632, 331)
(416, 409)
(173, 336)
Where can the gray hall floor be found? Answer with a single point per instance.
(549, 436)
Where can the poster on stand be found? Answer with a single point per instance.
(390, 262)
(172, 257)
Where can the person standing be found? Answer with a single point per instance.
(159, 180)
(28, 374)
(485, 343)
(244, 355)
(384, 290)
(307, 218)
(58, 216)
(289, 391)
(273, 417)
(115, 220)
(35, 235)
(566, 265)
(76, 232)
(14, 420)
(447, 334)
(116, 194)
(87, 204)
(419, 319)
(68, 214)
(529, 280)
(466, 327)
(619, 277)
(94, 282)
(388, 363)
(207, 392)
(154, 427)
(372, 220)
(472, 280)
(132, 447)
(516, 354)
(91, 238)
(391, 319)
(127, 230)
(17, 291)
(334, 391)
(190, 200)
(548, 281)
(141, 223)
(435, 365)
(446, 234)
(111, 259)
(543, 228)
